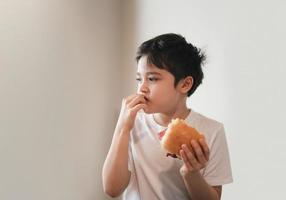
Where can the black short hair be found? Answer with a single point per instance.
(173, 53)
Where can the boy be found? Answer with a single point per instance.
(169, 71)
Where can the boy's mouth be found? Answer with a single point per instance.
(146, 98)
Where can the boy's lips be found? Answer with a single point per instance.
(146, 99)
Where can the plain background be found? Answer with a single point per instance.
(65, 66)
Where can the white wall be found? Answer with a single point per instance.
(59, 93)
(244, 84)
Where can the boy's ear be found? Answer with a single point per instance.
(186, 84)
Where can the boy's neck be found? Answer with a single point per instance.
(164, 119)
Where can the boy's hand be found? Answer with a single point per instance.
(193, 162)
(129, 108)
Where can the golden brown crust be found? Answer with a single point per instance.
(178, 133)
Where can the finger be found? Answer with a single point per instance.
(190, 156)
(136, 100)
(185, 159)
(129, 98)
(205, 148)
(138, 107)
(198, 152)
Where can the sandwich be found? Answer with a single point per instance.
(178, 133)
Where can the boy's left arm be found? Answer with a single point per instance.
(195, 183)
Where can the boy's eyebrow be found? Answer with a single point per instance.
(149, 73)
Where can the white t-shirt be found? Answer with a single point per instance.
(155, 176)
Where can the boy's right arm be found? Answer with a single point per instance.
(115, 174)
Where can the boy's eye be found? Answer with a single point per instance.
(153, 79)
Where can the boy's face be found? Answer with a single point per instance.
(157, 85)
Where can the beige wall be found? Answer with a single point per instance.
(60, 76)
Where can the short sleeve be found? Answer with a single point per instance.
(218, 169)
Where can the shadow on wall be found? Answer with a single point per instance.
(127, 68)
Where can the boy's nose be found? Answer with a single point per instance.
(143, 88)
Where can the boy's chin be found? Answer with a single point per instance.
(148, 111)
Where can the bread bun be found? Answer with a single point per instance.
(177, 134)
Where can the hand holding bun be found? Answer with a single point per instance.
(177, 134)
